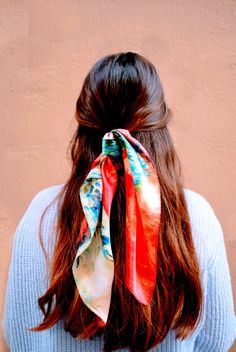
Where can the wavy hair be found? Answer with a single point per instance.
(123, 90)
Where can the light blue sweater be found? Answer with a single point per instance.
(26, 282)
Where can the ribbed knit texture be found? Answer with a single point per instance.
(27, 281)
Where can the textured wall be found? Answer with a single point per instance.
(46, 49)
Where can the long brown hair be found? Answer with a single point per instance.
(124, 91)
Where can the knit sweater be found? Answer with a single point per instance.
(26, 282)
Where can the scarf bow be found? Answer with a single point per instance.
(93, 266)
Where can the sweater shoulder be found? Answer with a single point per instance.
(41, 200)
(44, 196)
(43, 206)
(206, 228)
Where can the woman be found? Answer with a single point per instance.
(135, 261)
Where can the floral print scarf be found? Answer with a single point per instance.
(93, 266)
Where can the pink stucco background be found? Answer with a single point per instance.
(47, 48)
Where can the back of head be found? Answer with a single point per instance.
(123, 91)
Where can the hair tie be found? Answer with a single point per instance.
(93, 267)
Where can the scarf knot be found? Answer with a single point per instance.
(111, 146)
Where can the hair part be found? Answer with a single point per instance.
(124, 91)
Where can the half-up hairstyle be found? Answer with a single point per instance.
(124, 91)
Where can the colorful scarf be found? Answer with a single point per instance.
(93, 267)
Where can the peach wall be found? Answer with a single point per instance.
(46, 49)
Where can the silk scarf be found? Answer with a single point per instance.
(93, 266)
